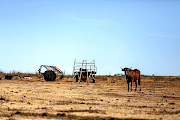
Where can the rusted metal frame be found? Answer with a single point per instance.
(53, 68)
(58, 71)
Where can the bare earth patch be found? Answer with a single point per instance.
(66, 99)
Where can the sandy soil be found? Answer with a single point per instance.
(106, 99)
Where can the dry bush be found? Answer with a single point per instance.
(166, 78)
(103, 78)
(68, 76)
(1, 73)
(118, 77)
(158, 78)
(174, 79)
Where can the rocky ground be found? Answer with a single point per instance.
(106, 99)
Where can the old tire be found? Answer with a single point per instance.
(49, 75)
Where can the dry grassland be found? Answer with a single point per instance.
(106, 99)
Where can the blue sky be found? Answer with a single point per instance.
(142, 34)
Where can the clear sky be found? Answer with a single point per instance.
(142, 34)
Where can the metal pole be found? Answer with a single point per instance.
(87, 72)
(94, 66)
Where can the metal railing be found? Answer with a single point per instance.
(84, 67)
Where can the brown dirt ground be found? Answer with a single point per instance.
(106, 99)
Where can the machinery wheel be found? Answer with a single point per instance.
(49, 75)
(77, 78)
(93, 78)
(93, 81)
(61, 77)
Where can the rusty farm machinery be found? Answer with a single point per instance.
(84, 71)
(13, 77)
(51, 72)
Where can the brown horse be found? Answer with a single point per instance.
(132, 76)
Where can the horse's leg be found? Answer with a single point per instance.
(131, 85)
(139, 84)
(128, 85)
(136, 85)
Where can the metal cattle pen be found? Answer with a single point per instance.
(84, 70)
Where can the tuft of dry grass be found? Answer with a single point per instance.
(166, 78)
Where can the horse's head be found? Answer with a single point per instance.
(125, 69)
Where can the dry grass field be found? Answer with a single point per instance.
(106, 99)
